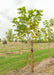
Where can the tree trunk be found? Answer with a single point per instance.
(28, 50)
(48, 48)
(32, 66)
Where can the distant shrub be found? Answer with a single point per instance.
(15, 40)
(40, 41)
(23, 41)
(4, 42)
(0, 40)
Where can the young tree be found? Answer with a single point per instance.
(39, 36)
(27, 24)
(47, 30)
(44, 33)
(10, 35)
(51, 21)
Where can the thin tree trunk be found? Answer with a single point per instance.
(49, 42)
(32, 66)
(48, 48)
(28, 50)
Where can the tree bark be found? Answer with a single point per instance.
(28, 50)
(32, 66)
(48, 48)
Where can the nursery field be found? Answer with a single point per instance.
(15, 61)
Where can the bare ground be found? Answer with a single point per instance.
(44, 67)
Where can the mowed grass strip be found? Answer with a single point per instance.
(17, 61)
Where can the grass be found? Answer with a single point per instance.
(17, 61)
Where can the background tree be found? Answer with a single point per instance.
(52, 37)
(0, 39)
(10, 35)
(4, 41)
(44, 34)
(39, 36)
(51, 21)
(27, 24)
(48, 31)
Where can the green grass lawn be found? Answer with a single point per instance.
(16, 61)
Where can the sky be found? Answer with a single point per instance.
(8, 10)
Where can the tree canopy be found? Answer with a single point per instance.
(27, 23)
(10, 35)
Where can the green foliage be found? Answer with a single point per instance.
(0, 40)
(40, 41)
(51, 22)
(15, 40)
(5, 41)
(10, 35)
(24, 41)
(27, 23)
(47, 31)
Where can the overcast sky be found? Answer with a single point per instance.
(8, 10)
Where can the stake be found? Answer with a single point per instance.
(32, 66)
(28, 49)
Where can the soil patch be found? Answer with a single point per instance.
(44, 67)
